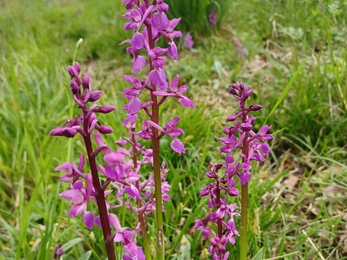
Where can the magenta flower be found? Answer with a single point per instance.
(212, 18)
(240, 50)
(170, 130)
(79, 197)
(188, 41)
(130, 3)
(72, 171)
(58, 252)
(176, 92)
(135, 255)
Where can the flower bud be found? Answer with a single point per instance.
(246, 127)
(232, 118)
(255, 107)
(69, 132)
(246, 93)
(72, 71)
(213, 242)
(121, 142)
(105, 109)
(221, 249)
(218, 166)
(233, 191)
(210, 174)
(205, 191)
(57, 131)
(77, 67)
(94, 96)
(104, 129)
(205, 232)
(233, 91)
(74, 87)
(85, 81)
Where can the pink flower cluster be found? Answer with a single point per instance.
(149, 23)
(133, 189)
(253, 147)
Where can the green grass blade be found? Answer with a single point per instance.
(285, 91)
(25, 218)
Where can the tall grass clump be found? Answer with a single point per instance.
(199, 17)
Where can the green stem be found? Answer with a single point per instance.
(139, 205)
(160, 248)
(244, 218)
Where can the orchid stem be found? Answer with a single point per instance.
(244, 204)
(244, 218)
(139, 205)
(156, 163)
(100, 197)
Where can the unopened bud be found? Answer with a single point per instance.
(104, 129)
(105, 109)
(72, 71)
(77, 67)
(255, 107)
(246, 127)
(247, 93)
(85, 81)
(74, 87)
(232, 118)
(79, 43)
(94, 96)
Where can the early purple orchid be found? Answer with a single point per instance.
(253, 146)
(188, 41)
(212, 18)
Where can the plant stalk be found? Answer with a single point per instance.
(139, 205)
(244, 204)
(219, 221)
(100, 197)
(156, 162)
(244, 218)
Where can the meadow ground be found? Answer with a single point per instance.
(298, 197)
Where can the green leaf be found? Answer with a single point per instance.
(71, 243)
(86, 256)
(259, 255)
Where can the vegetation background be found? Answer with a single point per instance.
(298, 197)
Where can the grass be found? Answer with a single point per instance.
(299, 193)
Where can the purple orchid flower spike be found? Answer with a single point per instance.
(86, 123)
(252, 146)
(149, 23)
